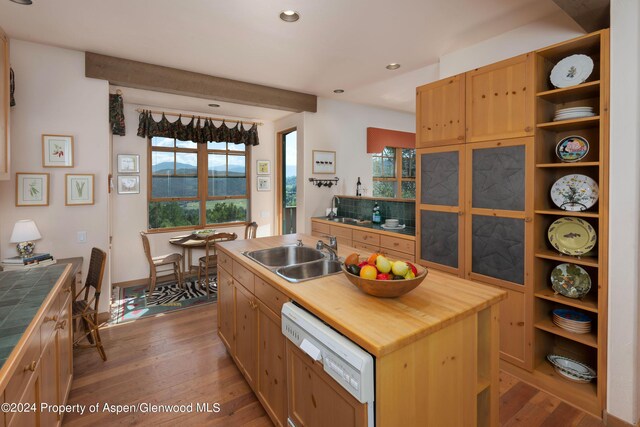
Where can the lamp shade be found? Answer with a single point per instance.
(25, 230)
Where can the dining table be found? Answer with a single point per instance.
(188, 243)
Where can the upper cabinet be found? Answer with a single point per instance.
(500, 101)
(440, 112)
(4, 106)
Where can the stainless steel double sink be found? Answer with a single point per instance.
(296, 263)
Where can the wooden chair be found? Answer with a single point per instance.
(211, 261)
(173, 260)
(251, 230)
(85, 309)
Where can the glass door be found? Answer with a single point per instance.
(287, 173)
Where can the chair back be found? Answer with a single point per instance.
(251, 230)
(97, 264)
(146, 246)
(218, 237)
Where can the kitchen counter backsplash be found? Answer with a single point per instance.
(405, 212)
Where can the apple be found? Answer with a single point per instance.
(382, 264)
(400, 268)
(413, 268)
(383, 276)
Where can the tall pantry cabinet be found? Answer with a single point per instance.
(486, 161)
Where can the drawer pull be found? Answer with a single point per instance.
(30, 367)
(51, 319)
(67, 290)
(61, 325)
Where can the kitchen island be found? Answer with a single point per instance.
(435, 349)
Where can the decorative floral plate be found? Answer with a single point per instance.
(571, 71)
(574, 193)
(572, 148)
(572, 369)
(572, 236)
(570, 280)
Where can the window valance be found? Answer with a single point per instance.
(197, 130)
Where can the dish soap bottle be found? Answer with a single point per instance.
(358, 188)
(376, 218)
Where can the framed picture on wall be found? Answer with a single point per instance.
(79, 189)
(324, 162)
(264, 183)
(263, 167)
(57, 151)
(128, 184)
(32, 189)
(128, 163)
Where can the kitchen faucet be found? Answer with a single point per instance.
(334, 200)
(332, 247)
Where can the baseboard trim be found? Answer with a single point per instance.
(130, 283)
(613, 421)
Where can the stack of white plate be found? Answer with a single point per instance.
(572, 321)
(573, 113)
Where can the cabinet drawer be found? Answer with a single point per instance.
(366, 237)
(319, 235)
(341, 232)
(224, 261)
(270, 296)
(320, 227)
(397, 244)
(368, 248)
(395, 255)
(25, 369)
(243, 276)
(344, 241)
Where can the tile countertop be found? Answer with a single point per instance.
(21, 296)
(407, 231)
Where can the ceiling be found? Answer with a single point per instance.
(335, 44)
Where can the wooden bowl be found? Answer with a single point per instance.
(386, 288)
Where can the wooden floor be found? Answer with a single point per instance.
(178, 359)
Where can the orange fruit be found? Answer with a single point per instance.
(352, 259)
(372, 259)
(368, 272)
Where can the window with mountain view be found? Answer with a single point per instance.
(394, 173)
(197, 184)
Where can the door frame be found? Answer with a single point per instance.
(279, 177)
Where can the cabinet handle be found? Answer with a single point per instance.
(30, 367)
(50, 319)
(527, 219)
(67, 290)
(460, 213)
(61, 325)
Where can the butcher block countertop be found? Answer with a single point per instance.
(379, 325)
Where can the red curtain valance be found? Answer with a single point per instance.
(378, 138)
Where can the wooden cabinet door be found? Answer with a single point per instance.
(272, 365)
(4, 106)
(49, 381)
(440, 208)
(440, 112)
(500, 100)
(226, 310)
(65, 352)
(29, 397)
(246, 333)
(513, 334)
(316, 399)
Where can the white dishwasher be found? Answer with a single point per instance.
(330, 379)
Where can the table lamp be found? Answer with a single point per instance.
(24, 232)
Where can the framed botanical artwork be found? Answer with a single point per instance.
(32, 189)
(128, 184)
(57, 151)
(264, 167)
(128, 163)
(264, 183)
(324, 162)
(79, 189)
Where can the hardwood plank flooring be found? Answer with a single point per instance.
(177, 359)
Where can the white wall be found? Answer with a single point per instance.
(550, 30)
(54, 96)
(623, 381)
(129, 211)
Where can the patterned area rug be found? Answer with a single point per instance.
(133, 303)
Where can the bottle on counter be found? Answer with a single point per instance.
(358, 188)
(376, 217)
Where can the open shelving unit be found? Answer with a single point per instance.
(547, 337)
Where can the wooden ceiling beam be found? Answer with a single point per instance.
(140, 75)
(591, 15)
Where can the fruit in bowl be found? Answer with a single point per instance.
(381, 277)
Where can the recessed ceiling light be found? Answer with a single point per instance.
(393, 66)
(338, 91)
(25, 2)
(289, 15)
(214, 105)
